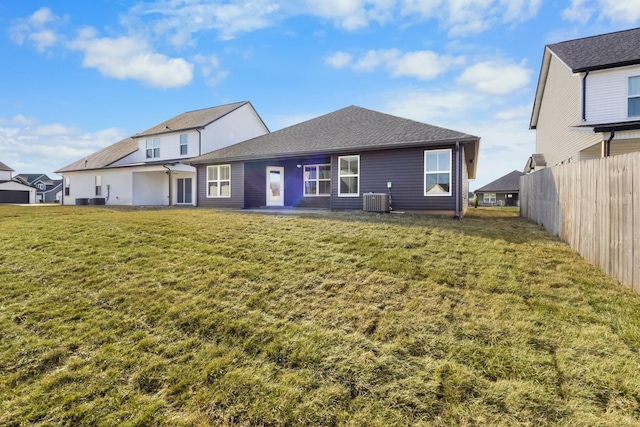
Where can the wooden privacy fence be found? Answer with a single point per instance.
(594, 206)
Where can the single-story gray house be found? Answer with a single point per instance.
(336, 160)
(504, 191)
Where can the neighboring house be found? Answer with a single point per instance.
(331, 161)
(13, 191)
(47, 190)
(587, 102)
(504, 191)
(149, 168)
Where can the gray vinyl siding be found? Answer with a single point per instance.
(404, 168)
(256, 183)
(237, 188)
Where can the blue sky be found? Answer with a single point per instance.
(77, 76)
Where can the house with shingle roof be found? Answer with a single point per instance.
(587, 102)
(13, 190)
(47, 190)
(334, 160)
(504, 191)
(150, 168)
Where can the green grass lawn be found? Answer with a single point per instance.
(198, 317)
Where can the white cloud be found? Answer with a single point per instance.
(131, 58)
(523, 112)
(30, 148)
(436, 107)
(582, 11)
(34, 29)
(496, 77)
(210, 69)
(627, 11)
(180, 19)
(338, 59)
(424, 64)
(467, 17)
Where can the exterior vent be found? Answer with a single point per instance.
(375, 202)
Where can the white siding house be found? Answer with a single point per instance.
(587, 102)
(149, 168)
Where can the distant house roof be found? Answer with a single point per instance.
(192, 120)
(30, 178)
(5, 168)
(183, 122)
(349, 129)
(600, 52)
(509, 182)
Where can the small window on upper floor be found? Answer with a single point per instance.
(184, 141)
(153, 148)
(634, 97)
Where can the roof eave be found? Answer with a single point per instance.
(204, 161)
(607, 66)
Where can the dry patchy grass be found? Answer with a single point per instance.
(199, 317)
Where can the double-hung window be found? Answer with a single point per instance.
(489, 199)
(184, 141)
(153, 148)
(349, 176)
(437, 173)
(67, 186)
(634, 97)
(317, 180)
(98, 185)
(219, 181)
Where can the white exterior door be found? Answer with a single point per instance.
(275, 186)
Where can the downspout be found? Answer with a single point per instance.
(170, 186)
(458, 181)
(199, 142)
(607, 148)
(584, 97)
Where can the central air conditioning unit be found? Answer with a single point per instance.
(375, 202)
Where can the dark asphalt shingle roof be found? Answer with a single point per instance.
(600, 52)
(351, 128)
(29, 177)
(509, 182)
(185, 121)
(5, 168)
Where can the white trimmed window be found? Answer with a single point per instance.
(98, 185)
(40, 186)
(437, 172)
(317, 180)
(489, 199)
(184, 143)
(153, 148)
(219, 181)
(349, 176)
(634, 97)
(67, 186)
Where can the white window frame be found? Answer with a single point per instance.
(153, 148)
(426, 172)
(67, 186)
(40, 186)
(491, 200)
(340, 176)
(317, 180)
(184, 144)
(219, 181)
(98, 185)
(631, 96)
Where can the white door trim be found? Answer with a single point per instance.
(271, 200)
